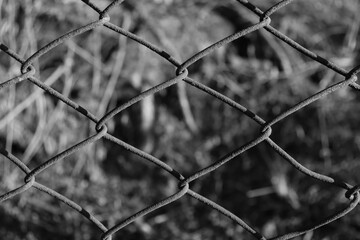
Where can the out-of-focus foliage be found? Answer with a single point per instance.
(181, 125)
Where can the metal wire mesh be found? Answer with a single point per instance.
(28, 74)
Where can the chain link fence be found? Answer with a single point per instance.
(182, 73)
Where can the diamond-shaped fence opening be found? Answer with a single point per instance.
(126, 161)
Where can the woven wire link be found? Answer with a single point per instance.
(181, 74)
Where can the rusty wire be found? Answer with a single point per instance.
(181, 74)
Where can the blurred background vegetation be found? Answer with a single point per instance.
(181, 125)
